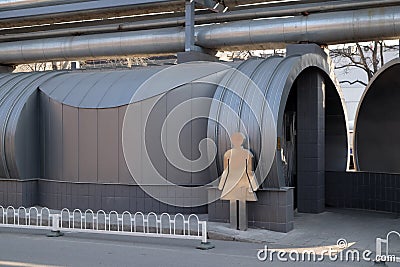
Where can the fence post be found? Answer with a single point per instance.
(379, 242)
(204, 245)
(55, 226)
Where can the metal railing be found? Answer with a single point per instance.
(386, 256)
(126, 223)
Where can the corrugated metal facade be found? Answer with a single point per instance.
(275, 77)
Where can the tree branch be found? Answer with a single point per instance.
(364, 61)
(354, 82)
(351, 65)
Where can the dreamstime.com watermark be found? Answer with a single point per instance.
(340, 252)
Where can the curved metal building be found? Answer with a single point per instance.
(68, 131)
(376, 129)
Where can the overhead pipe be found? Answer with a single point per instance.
(327, 28)
(200, 19)
(84, 10)
(74, 10)
(18, 13)
(18, 4)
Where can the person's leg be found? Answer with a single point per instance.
(233, 214)
(242, 215)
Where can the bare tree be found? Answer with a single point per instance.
(33, 67)
(368, 57)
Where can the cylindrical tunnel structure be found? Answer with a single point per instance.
(126, 127)
(377, 128)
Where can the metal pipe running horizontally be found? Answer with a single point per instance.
(326, 28)
(296, 9)
(18, 4)
(84, 10)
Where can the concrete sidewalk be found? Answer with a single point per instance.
(313, 230)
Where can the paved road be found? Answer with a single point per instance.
(34, 249)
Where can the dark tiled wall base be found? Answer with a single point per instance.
(18, 193)
(363, 190)
(58, 195)
(272, 211)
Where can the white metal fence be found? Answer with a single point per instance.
(386, 256)
(134, 224)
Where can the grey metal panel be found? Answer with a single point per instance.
(101, 89)
(176, 136)
(12, 103)
(22, 137)
(136, 137)
(97, 93)
(60, 87)
(377, 128)
(199, 130)
(225, 93)
(155, 107)
(107, 89)
(44, 133)
(121, 92)
(27, 137)
(88, 139)
(6, 81)
(6, 91)
(233, 94)
(108, 130)
(70, 143)
(55, 140)
(77, 93)
(166, 80)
